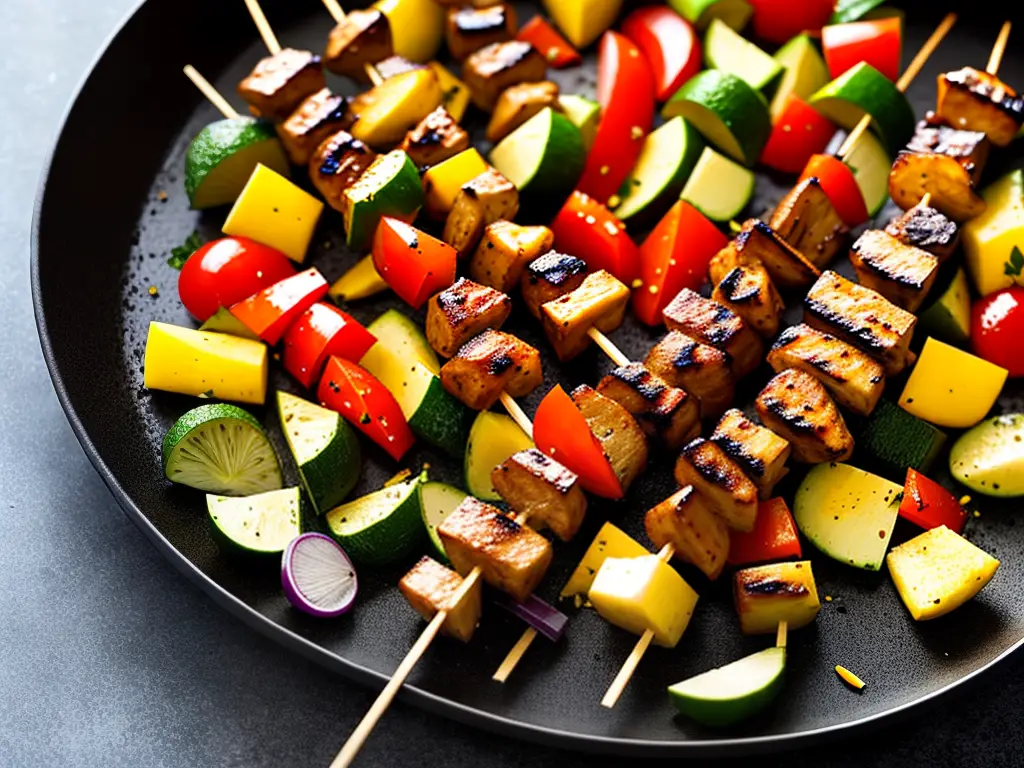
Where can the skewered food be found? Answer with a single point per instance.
(469, 29)
(621, 438)
(758, 451)
(599, 302)
(807, 221)
(748, 291)
(720, 482)
(483, 200)
(279, 83)
(435, 138)
(460, 312)
(317, 117)
(489, 364)
(768, 594)
(362, 37)
(757, 242)
(717, 325)
(796, 406)
(504, 252)
(337, 164)
(667, 413)
(699, 369)
(697, 534)
(977, 101)
(492, 69)
(518, 104)
(537, 484)
(926, 228)
(430, 587)
(550, 276)
(902, 273)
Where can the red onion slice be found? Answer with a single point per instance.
(543, 617)
(317, 576)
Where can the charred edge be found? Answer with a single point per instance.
(781, 411)
(483, 21)
(545, 468)
(737, 451)
(1005, 99)
(712, 471)
(773, 588)
(863, 332)
(555, 268)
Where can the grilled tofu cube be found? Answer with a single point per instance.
(666, 413)
(518, 104)
(748, 292)
(318, 116)
(337, 164)
(926, 228)
(757, 242)
(758, 451)
(470, 29)
(599, 302)
(977, 101)
(970, 149)
(431, 587)
(483, 200)
(393, 66)
(511, 557)
(720, 482)
(902, 273)
(492, 69)
(489, 364)
(506, 248)
(807, 221)
(684, 520)
(552, 275)
(862, 317)
(279, 83)
(362, 37)
(621, 438)
(795, 405)
(854, 379)
(768, 594)
(436, 138)
(701, 370)
(461, 311)
(536, 485)
(915, 174)
(717, 325)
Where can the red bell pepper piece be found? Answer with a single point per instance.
(777, 21)
(367, 404)
(321, 331)
(415, 264)
(625, 90)
(929, 505)
(269, 312)
(674, 256)
(799, 133)
(669, 43)
(878, 42)
(587, 229)
(997, 329)
(841, 186)
(560, 431)
(559, 52)
(774, 536)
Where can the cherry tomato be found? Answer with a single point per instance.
(321, 331)
(997, 329)
(415, 264)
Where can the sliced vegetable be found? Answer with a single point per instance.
(768, 594)
(389, 188)
(994, 241)
(587, 229)
(317, 576)
(870, 164)
(270, 312)
(878, 43)
(779, 20)
(669, 43)
(774, 536)
(543, 617)
(890, 440)
(319, 332)
(442, 182)
(609, 542)
(735, 13)
(726, 50)
(948, 318)
(584, 113)
(381, 527)
(990, 458)
(718, 187)
(997, 328)
(728, 694)
(262, 524)
(853, 10)
(799, 132)
(417, 27)
(437, 500)
(492, 439)
(387, 111)
(360, 282)
(929, 505)
(583, 21)
(840, 185)
(556, 49)
(223, 156)
(403, 336)
(222, 321)
(456, 92)
(416, 265)
(804, 72)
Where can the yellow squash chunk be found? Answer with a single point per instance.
(203, 363)
(583, 21)
(360, 281)
(938, 572)
(455, 92)
(273, 211)
(768, 594)
(443, 182)
(951, 388)
(431, 587)
(417, 27)
(610, 541)
(990, 239)
(385, 113)
(641, 593)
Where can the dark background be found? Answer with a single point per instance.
(109, 657)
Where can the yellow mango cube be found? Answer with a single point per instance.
(442, 183)
(386, 113)
(273, 211)
(951, 388)
(455, 92)
(417, 27)
(990, 238)
(611, 541)
(583, 21)
(192, 362)
(641, 593)
(939, 571)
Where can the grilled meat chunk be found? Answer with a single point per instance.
(506, 248)
(615, 428)
(518, 104)
(757, 242)
(482, 200)
(431, 587)
(758, 451)
(902, 273)
(489, 364)
(492, 69)
(318, 116)
(977, 101)
(854, 379)
(720, 482)
(701, 370)
(970, 149)
(599, 302)
(768, 594)
(337, 164)
(461, 311)
(541, 487)
(279, 83)
(511, 557)
(436, 138)
(715, 324)
(862, 317)
(552, 275)
(667, 413)
(470, 29)
(748, 292)
(915, 174)
(926, 228)
(807, 221)
(795, 405)
(362, 37)
(700, 537)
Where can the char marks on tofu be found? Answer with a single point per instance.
(664, 412)
(758, 242)
(431, 587)
(720, 482)
(337, 164)
(504, 253)
(795, 405)
(701, 370)
(621, 438)
(757, 450)
(461, 311)
(748, 291)
(698, 535)
(536, 485)
(977, 101)
(715, 324)
(436, 138)
(599, 302)
(469, 29)
(807, 221)
(362, 37)
(902, 273)
(489, 364)
(483, 200)
(279, 83)
(550, 276)
(928, 229)
(492, 69)
(318, 116)
(518, 104)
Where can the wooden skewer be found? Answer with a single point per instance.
(211, 93)
(996, 57)
(266, 32)
(781, 634)
(911, 72)
(518, 415)
(608, 347)
(926, 199)
(336, 11)
(371, 72)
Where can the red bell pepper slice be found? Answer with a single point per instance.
(774, 536)
(841, 186)
(321, 331)
(674, 256)
(778, 21)
(415, 264)
(367, 404)
(929, 505)
(625, 90)
(560, 431)
(669, 43)
(587, 229)
(997, 328)
(545, 38)
(878, 42)
(799, 133)
(269, 312)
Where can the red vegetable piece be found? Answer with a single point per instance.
(777, 21)
(625, 90)
(587, 229)
(558, 51)
(997, 329)
(367, 404)
(416, 265)
(841, 187)
(929, 505)
(225, 271)
(878, 42)
(269, 312)
(674, 256)
(774, 536)
(560, 431)
(669, 43)
(799, 133)
(321, 331)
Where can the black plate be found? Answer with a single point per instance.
(101, 238)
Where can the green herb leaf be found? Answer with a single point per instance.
(180, 254)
